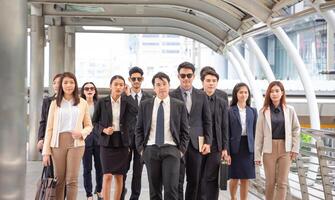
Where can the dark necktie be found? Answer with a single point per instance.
(136, 99)
(160, 125)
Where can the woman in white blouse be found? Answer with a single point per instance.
(68, 125)
(242, 124)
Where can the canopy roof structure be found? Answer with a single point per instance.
(215, 23)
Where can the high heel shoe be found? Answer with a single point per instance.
(99, 196)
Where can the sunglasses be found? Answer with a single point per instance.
(89, 88)
(185, 75)
(139, 79)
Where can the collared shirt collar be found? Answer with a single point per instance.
(183, 90)
(117, 101)
(68, 101)
(134, 93)
(273, 108)
(165, 101)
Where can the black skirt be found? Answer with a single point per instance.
(114, 157)
(242, 164)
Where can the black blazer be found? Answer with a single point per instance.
(92, 139)
(221, 122)
(178, 124)
(235, 128)
(200, 116)
(103, 118)
(44, 116)
(132, 125)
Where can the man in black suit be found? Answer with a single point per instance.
(200, 129)
(135, 78)
(162, 138)
(219, 148)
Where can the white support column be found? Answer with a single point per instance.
(56, 57)
(237, 67)
(69, 53)
(36, 77)
(257, 94)
(13, 106)
(308, 87)
(304, 76)
(261, 58)
(330, 48)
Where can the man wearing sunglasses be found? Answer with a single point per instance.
(135, 78)
(200, 130)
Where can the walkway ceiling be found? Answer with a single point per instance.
(215, 23)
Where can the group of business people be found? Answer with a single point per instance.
(185, 131)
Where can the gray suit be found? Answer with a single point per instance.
(200, 125)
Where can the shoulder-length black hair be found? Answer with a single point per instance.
(75, 93)
(82, 95)
(237, 87)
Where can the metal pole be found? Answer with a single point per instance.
(257, 94)
(328, 15)
(36, 77)
(56, 62)
(69, 53)
(13, 106)
(261, 58)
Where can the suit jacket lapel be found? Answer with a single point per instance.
(268, 118)
(109, 110)
(149, 111)
(193, 99)
(237, 114)
(249, 116)
(123, 106)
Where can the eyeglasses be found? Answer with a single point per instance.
(185, 75)
(89, 88)
(139, 79)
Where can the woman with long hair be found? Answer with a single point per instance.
(68, 125)
(277, 138)
(242, 124)
(89, 92)
(112, 117)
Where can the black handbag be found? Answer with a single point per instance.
(223, 175)
(46, 186)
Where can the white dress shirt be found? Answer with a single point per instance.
(243, 118)
(116, 107)
(67, 116)
(168, 139)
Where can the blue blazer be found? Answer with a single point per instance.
(235, 128)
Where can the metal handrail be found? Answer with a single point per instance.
(314, 158)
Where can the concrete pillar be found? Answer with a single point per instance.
(13, 106)
(70, 47)
(56, 60)
(237, 67)
(37, 38)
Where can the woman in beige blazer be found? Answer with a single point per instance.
(277, 138)
(68, 125)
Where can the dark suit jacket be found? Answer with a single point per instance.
(235, 128)
(178, 124)
(44, 116)
(221, 122)
(93, 138)
(132, 125)
(103, 118)
(200, 116)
